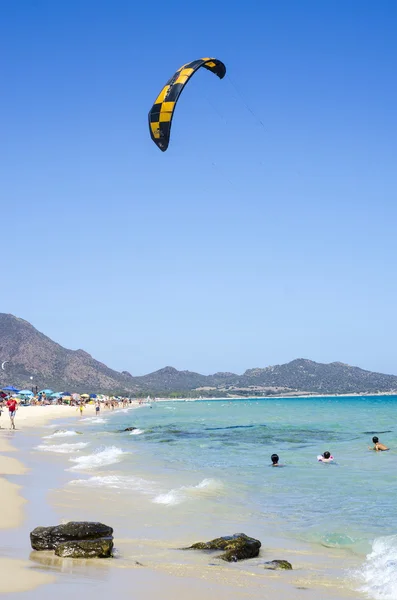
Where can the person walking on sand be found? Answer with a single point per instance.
(378, 447)
(80, 408)
(12, 409)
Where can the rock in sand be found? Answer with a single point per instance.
(276, 565)
(100, 548)
(48, 538)
(237, 547)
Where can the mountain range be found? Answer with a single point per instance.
(29, 358)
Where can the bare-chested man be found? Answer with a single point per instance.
(378, 447)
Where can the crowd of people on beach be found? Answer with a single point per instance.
(10, 403)
(326, 457)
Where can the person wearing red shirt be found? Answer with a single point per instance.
(12, 409)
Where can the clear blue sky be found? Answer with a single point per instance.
(242, 245)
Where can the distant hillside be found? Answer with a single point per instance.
(333, 378)
(30, 353)
(170, 379)
(34, 359)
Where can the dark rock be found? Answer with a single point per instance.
(276, 565)
(127, 429)
(48, 538)
(99, 548)
(237, 547)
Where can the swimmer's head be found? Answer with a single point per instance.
(327, 455)
(375, 439)
(274, 458)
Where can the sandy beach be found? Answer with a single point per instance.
(17, 575)
(149, 541)
(27, 417)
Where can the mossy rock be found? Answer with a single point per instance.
(278, 565)
(99, 548)
(237, 547)
(48, 538)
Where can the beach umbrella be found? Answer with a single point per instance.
(84, 396)
(93, 395)
(66, 394)
(46, 392)
(10, 388)
(25, 393)
(55, 395)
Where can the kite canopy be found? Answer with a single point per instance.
(162, 111)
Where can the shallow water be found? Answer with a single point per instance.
(195, 470)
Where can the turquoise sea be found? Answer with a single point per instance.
(196, 470)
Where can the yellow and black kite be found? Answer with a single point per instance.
(162, 111)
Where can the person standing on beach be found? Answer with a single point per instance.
(97, 408)
(12, 409)
(378, 447)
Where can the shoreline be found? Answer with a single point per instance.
(18, 575)
(176, 577)
(11, 514)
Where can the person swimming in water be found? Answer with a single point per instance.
(325, 457)
(274, 458)
(378, 447)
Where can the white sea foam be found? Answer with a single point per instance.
(137, 431)
(118, 482)
(100, 458)
(170, 498)
(206, 487)
(62, 448)
(379, 572)
(61, 433)
(94, 420)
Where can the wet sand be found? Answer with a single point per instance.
(164, 570)
(18, 575)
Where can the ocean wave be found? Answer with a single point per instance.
(137, 431)
(206, 487)
(62, 448)
(379, 572)
(336, 540)
(61, 433)
(118, 482)
(99, 458)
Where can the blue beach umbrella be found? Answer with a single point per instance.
(46, 392)
(25, 393)
(10, 388)
(93, 395)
